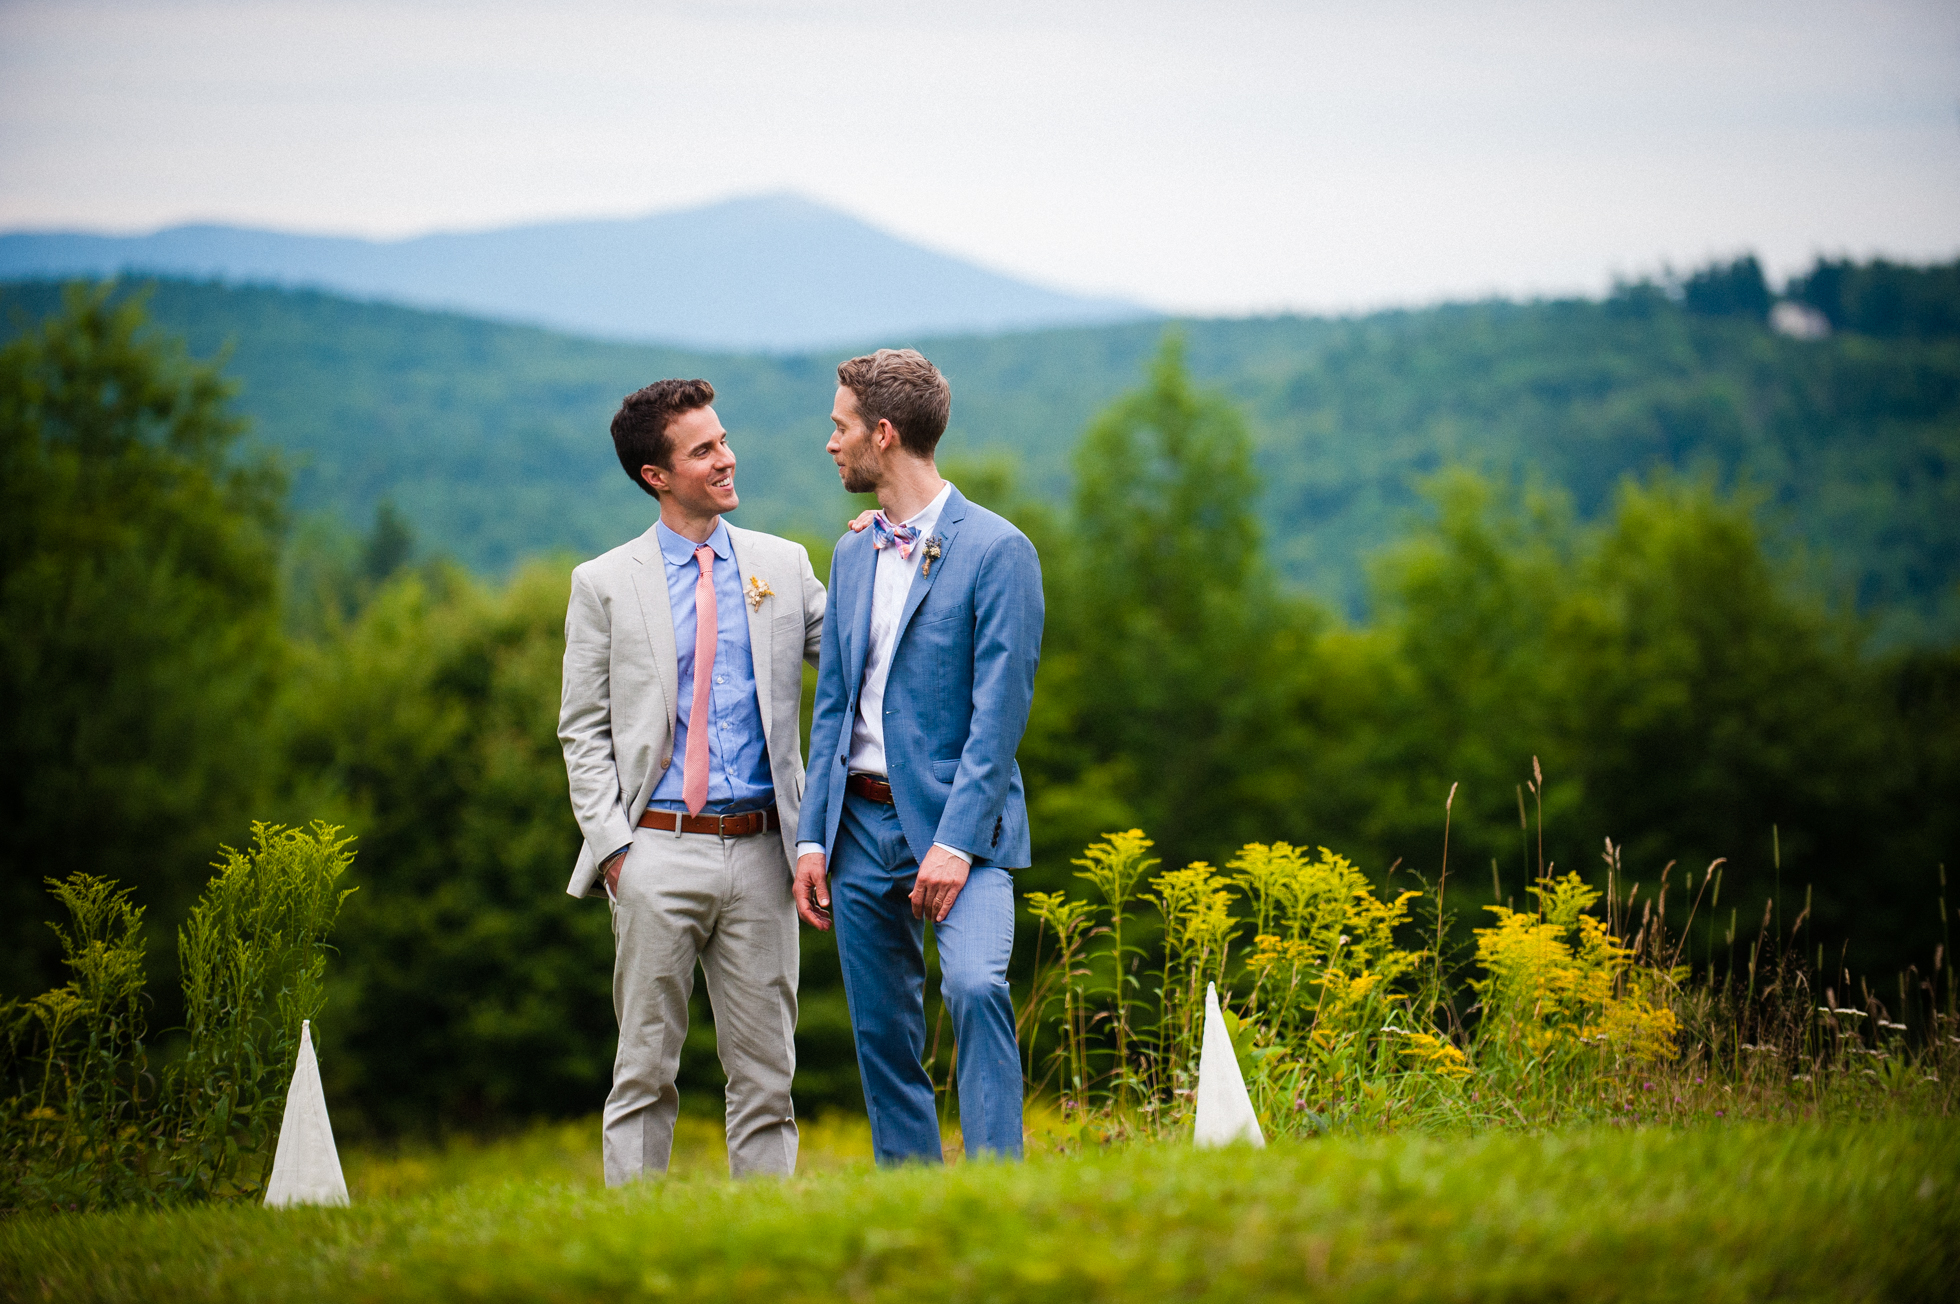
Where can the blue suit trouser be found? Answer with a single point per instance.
(883, 951)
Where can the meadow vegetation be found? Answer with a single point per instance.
(1350, 1011)
(85, 1119)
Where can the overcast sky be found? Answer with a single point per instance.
(1210, 157)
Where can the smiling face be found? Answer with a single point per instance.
(700, 477)
(852, 447)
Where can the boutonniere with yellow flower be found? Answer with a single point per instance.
(933, 553)
(758, 590)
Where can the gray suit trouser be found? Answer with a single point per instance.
(724, 902)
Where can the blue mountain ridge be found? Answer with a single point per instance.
(771, 273)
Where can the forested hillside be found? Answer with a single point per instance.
(491, 438)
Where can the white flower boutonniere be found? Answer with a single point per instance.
(758, 590)
(933, 552)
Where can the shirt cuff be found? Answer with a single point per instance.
(964, 858)
(806, 848)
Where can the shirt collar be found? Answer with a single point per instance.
(928, 516)
(679, 551)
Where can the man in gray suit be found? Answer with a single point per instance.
(684, 654)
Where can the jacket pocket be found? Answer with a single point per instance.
(945, 770)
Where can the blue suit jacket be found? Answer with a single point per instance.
(957, 698)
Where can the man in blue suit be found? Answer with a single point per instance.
(914, 808)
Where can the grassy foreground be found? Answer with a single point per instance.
(1839, 1212)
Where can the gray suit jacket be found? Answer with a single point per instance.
(621, 695)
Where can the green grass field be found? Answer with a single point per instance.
(1865, 1211)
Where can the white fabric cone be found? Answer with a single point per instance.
(1225, 1111)
(305, 1167)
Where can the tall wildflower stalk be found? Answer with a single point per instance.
(1195, 903)
(1442, 886)
(1114, 866)
(1068, 920)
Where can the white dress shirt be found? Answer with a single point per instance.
(891, 581)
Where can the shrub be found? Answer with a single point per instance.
(1313, 1009)
(71, 1121)
(84, 1121)
(1561, 991)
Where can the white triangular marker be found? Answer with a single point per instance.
(305, 1167)
(1225, 1111)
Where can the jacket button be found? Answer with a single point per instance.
(663, 762)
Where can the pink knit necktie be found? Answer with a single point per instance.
(694, 774)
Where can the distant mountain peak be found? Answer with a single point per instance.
(775, 272)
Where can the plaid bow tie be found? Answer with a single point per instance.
(884, 534)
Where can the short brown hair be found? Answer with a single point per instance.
(900, 386)
(639, 428)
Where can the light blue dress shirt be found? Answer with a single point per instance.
(738, 754)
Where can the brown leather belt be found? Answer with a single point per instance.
(870, 787)
(748, 823)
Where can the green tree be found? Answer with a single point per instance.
(1710, 699)
(139, 641)
(1734, 289)
(1465, 682)
(1167, 637)
(1885, 299)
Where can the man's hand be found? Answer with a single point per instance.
(614, 863)
(862, 521)
(938, 884)
(812, 891)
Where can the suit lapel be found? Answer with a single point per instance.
(947, 527)
(761, 649)
(657, 612)
(862, 561)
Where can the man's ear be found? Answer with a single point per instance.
(885, 436)
(655, 477)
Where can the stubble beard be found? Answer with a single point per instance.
(858, 477)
